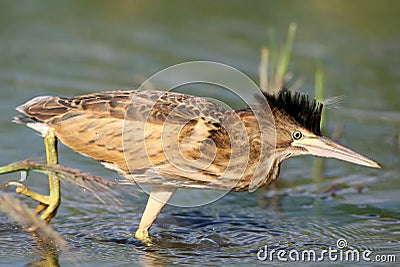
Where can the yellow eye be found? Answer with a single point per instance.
(296, 135)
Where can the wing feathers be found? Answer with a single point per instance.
(94, 126)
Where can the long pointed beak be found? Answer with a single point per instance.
(324, 147)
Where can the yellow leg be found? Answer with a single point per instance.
(50, 142)
(159, 196)
(48, 204)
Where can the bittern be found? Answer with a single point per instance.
(132, 132)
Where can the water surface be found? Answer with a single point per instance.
(75, 47)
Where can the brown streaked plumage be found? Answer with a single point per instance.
(171, 140)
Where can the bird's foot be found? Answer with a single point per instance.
(143, 236)
(159, 196)
(48, 204)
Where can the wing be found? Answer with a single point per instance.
(123, 129)
(152, 106)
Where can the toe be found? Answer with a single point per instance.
(20, 187)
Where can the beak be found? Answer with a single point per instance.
(324, 147)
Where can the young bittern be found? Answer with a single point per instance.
(170, 140)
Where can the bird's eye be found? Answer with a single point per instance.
(296, 135)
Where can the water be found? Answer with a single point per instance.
(76, 47)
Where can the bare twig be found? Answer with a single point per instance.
(102, 189)
(20, 213)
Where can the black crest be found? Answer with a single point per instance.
(306, 112)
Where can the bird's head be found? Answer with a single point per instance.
(297, 122)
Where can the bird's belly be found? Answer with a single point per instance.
(148, 154)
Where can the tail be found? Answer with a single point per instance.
(39, 112)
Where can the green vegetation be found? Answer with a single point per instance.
(274, 76)
(274, 63)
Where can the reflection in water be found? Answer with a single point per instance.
(26, 248)
(49, 241)
(48, 255)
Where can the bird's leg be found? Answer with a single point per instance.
(159, 196)
(50, 203)
(50, 142)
